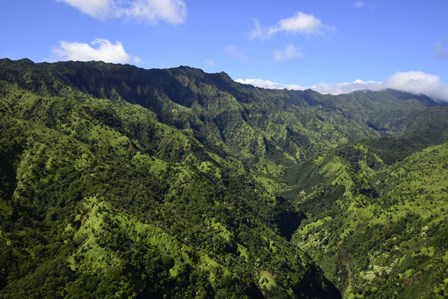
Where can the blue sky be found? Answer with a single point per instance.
(332, 46)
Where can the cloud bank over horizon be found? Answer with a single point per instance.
(415, 82)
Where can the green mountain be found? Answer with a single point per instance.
(385, 234)
(121, 181)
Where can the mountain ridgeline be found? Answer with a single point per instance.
(116, 181)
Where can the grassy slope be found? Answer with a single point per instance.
(265, 129)
(385, 236)
(202, 159)
(106, 200)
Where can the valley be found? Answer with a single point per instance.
(136, 183)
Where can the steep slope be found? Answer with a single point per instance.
(98, 198)
(264, 128)
(384, 234)
(120, 181)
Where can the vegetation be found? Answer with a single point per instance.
(121, 182)
(385, 236)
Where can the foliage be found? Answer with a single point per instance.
(117, 181)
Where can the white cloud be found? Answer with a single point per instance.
(346, 87)
(413, 82)
(171, 11)
(99, 49)
(324, 88)
(418, 83)
(236, 53)
(300, 23)
(93, 8)
(289, 53)
(269, 84)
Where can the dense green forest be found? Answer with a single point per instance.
(116, 181)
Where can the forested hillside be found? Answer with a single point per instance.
(121, 181)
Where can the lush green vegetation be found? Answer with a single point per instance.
(121, 182)
(385, 236)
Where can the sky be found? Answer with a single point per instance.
(332, 46)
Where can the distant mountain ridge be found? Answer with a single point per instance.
(200, 92)
(121, 181)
